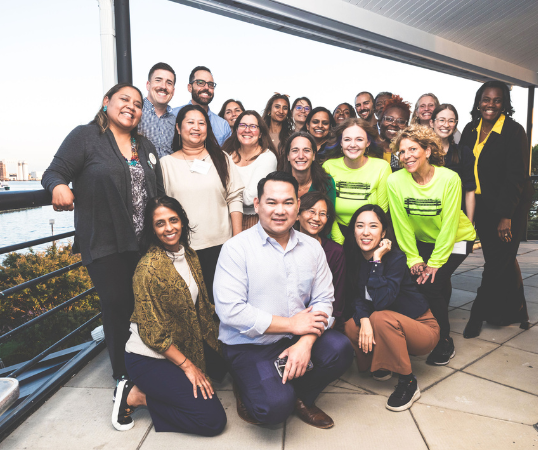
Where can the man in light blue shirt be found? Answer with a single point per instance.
(158, 122)
(202, 88)
(273, 294)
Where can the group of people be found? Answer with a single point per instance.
(280, 247)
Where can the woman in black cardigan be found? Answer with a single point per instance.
(114, 172)
(503, 197)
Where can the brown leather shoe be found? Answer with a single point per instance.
(241, 409)
(313, 415)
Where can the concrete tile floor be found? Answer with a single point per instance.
(486, 398)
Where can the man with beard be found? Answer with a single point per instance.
(202, 88)
(158, 121)
(379, 105)
(364, 104)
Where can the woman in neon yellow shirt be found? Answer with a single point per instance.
(430, 227)
(360, 179)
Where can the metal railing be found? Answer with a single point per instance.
(25, 199)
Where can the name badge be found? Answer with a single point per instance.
(200, 166)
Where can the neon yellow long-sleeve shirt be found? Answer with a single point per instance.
(357, 187)
(428, 213)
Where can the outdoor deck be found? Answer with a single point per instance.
(486, 398)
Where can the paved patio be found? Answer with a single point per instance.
(486, 398)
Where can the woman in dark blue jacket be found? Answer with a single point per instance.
(391, 319)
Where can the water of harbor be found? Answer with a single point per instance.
(30, 224)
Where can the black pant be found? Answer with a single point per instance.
(500, 297)
(208, 262)
(112, 277)
(439, 292)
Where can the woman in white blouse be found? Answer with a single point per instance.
(206, 182)
(254, 155)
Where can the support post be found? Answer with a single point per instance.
(530, 115)
(108, 44)
(123, 41)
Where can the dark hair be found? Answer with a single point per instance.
(507, 108)
(225, 104)
(287, 124)
(455, 155)
(381, 94)
(148, 236)
(101, 118)
(278, 175)
(320, 179)
(352, 112)
(316, 110)
(309, 199)
(196, 69)
(304, 99)
(212, 146)
(373, 149)
(232, 144)
(366, 92)
(161, 66)
(351, 248)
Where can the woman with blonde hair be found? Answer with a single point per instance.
(424, 107)
(430, 227)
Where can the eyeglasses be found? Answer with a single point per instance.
(390, 119)
(202, 83)
(313, 213)
(442, 121)
(244, 126)
(302, 108)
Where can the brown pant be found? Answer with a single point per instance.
(396, 336)
(249, 220)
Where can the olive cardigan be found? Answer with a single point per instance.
(164, 309)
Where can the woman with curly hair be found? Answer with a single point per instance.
(277, 117)
(503, 196)
(394, 118)
(431, 229)
(359, 178)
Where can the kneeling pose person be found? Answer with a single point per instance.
(391, 319)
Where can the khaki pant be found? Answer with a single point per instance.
(396, 336)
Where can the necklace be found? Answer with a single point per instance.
(134, 154)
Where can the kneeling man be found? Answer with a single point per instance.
(273, 294)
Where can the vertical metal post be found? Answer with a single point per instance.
(530, 115)
(123, 41)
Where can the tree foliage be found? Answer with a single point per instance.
(25, 305)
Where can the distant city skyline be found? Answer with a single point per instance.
(52, 76)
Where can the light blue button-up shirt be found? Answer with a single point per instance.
(159, 130)
(221, 128)
(257, 279)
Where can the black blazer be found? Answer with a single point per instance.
(503, 168)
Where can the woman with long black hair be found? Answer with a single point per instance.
(503, 196)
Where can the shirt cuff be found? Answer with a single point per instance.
(263, 321)
(235, 206)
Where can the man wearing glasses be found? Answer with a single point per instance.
(202, 88)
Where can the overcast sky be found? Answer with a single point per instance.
(51, 68)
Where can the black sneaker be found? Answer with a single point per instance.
(121, 412)
(443, 352)
(404, 395)
(382, 375)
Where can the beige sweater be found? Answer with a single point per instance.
(207, 204)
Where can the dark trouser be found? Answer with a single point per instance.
(439, 292)
(208, 263)
(170, 398)
(112, 277)
(265, 397)
(500, 297)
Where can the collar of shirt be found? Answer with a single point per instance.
(149, 106)
(293, 241)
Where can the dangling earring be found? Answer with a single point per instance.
(104, 108)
